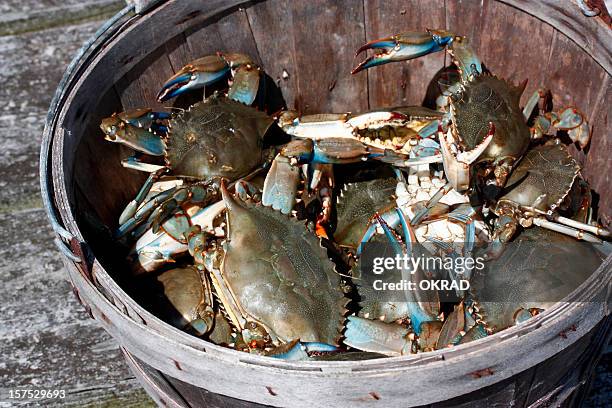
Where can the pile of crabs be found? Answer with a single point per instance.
(253, 224)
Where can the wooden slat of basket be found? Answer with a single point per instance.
(402, 83)
(271, 23)
(326, 35)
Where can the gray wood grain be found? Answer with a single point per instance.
(31, 65)
(48, 340)
(270, 21)
(219, 369)
(402, 83)
(326, 36)
(17, 17)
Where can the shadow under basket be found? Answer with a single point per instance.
(307, 50)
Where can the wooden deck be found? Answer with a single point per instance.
(48, 341)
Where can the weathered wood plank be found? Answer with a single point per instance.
(270, 22)
(590, 34)
(572, 76)
(230, 33)
(402, 83)
(46, 334)
(326, 36)
(139, 87)
(488, 26)
(178, 51)
(18, 17)
(553, 384)
(598, 166)
(567, 67)
(464, 17)
(515, 57)
(31, 65)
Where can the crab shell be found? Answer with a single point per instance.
(357, 203)
(190, 296)
(281, 276)
(539, 268)
(385, 305)
(485, 100)
(218, 137)
(540, 182)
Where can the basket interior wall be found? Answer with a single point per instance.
(314, 43)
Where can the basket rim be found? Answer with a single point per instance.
(69, 84)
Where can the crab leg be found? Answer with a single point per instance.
(246, 190)
(410, 45)
(194, 194)
(143, 212)
(532, 103)
(570, 120)
(315, 126)
(453, 326)
(298, 351)
(133, 162)
(457, 164)
(402, 47)
(419, 305)
(212, 68)
(390, 218)
(373, 335)
(281, 185)
(137, 138)
(130, 209)
(161, 206)
(465, 214)
(563, 229)
(595, 229)
(153, 250)
(144, 118)
(450, 251)
(397, 128)
(478, 331)
(198, 74)
(431, 204)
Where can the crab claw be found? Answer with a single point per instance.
(197, 74)
(402, 47)
(376, 336)
(457, 163)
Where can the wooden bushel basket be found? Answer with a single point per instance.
(545, 361)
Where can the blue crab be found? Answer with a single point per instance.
(190, 295)
(269, 274)
(273, 278)
(488, 132)
(539, 269)
(381, 324)
(401, 136)
(220, 137)
(538, 193)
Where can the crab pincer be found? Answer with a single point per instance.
(401, 47)
(487, 129)
(245, 75)
(371, 332)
